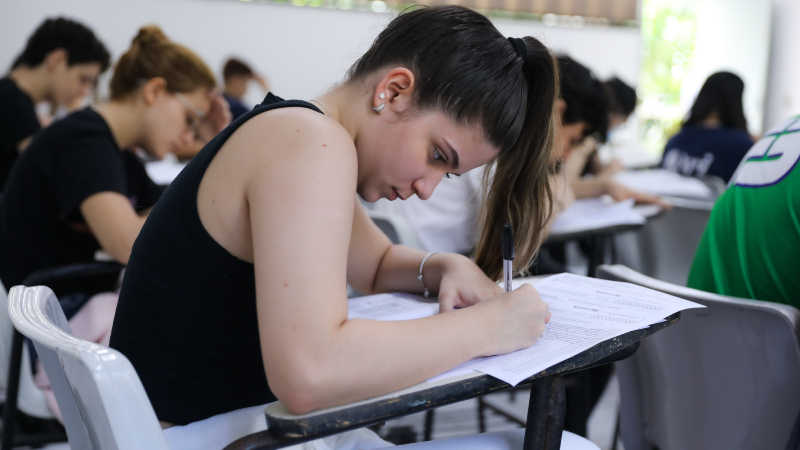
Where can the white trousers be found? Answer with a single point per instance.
(216, 432)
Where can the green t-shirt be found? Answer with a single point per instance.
(751, 246)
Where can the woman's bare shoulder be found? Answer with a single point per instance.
(297, 130)
(295, 142)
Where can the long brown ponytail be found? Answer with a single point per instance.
(518, 191)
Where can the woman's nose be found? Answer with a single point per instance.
(425, 185)
(187, 137)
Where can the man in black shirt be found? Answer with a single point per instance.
(60, 64)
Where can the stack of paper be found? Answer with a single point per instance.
(663, 182)
(594, 213)
(163, 172)
(586, 311)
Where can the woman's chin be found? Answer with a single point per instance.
(369, 197)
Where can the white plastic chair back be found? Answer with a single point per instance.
(724, 377)
(30, 398)
(100, 396)
(664, 248)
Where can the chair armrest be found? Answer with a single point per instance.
(287, 429)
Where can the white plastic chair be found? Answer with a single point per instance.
(664, 248)
(30, 398)
(98, 391)
(724, 377)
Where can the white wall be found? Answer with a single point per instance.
(783, 88)
(302, 50)
(732, 36)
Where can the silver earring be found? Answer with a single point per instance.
(381, 96)
(378, 109)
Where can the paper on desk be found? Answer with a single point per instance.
(586, 311)
(163, 172)
(594, 213)
(663, 182)
(394, 306)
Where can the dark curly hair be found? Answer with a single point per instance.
(80, 43)
(586, 98)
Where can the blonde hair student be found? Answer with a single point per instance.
(235, 291)
(79, 187)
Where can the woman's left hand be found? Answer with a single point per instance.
(218, 117)
(463, 283)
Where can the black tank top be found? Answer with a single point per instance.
(186, 317)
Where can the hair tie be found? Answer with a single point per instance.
(520, 48)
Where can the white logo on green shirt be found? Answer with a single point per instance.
(772, 157)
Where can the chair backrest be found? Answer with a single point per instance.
(30, 399)
(665, 246)
(724, 377)
(100, 396)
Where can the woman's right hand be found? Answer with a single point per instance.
(518, 319)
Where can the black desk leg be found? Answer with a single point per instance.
(579, 402)
(545, 414)
(429, 424)
(597, 253)
(10, 411)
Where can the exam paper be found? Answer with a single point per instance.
(594, 213)
(663, 182)
(586, 311)
(163, 172)
(393, 306)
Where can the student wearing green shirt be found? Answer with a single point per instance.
(751, 246)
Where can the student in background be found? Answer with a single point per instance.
(236, 75)
(585, 114)
(60, 63)
(751, 245)
(713, 140)
(258, 236)
(77, 188)
(622, 101)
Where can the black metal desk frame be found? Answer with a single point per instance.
(545, 412)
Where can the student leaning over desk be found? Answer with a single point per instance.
(60, 64)
(242, 265)
(78, 187)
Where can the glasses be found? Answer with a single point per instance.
(191, 123)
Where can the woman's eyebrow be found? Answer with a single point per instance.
(454, 153)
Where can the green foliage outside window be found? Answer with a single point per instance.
(668, 37)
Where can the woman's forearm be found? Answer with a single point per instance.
(399, 270)
(365, 358)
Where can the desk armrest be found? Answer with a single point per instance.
(288, 429)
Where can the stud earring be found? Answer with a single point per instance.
(381, 96)
(378, 109)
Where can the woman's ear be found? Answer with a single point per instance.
(561, 106)
(395, 89)
(56, 60)
(153, 90)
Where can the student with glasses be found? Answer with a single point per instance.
(78, 187)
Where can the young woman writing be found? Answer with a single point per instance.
(235, 292)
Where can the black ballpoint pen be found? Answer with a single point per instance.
(508, 256)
